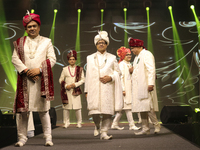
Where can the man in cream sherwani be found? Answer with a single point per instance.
(33, 58)
(102, 86)
(144, 87)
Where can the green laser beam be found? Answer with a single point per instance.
(125, 30)
(77, 46)
(5, 51)
(197, 21)
(51, 36)
(183, 71)
(149, 37)
(102, 10)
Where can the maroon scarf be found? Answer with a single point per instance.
(21, 97)
(63, 93)
(77, 90)
(47, 86)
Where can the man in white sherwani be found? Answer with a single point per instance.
(144, 87)
(124, 65)
(102, 86)
(73, 76)
(33, 57)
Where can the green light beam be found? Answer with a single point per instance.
(51, 36)
(182, 71)
(102, 10)
(25, 34)
(125, 30)
(77, 47)
(149, 37)
(197, 20)
(6, 52)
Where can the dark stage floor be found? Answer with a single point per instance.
(73, 138)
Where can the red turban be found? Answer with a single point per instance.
(31, 17)
(72, 53)
(121, 52)
(136, 43)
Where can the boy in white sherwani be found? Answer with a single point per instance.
(71, 78)
(124, 65)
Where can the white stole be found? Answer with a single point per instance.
(141, 78)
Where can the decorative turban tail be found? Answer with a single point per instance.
(136, 43)
(31, 17)
(72, 53)
(121, 52)
(102, 35)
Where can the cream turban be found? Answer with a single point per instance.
(102, 35)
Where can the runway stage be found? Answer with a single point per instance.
(73, 138)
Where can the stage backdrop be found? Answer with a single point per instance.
(177, 71)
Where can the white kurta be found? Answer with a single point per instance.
(126, 83)
(142, 76)
(44, 50)
(101, 97)
(74, 102)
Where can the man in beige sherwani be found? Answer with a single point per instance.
(102, 85)
(144, 87)
(69, 75)
(33, 58)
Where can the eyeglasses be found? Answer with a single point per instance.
(103, 43)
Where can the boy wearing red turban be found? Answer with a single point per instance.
(124, 65)
(72, 77)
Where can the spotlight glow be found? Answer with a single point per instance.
(197, 110)
(125, 9)
(192, 6)
(55, 10)
(32, 10)
(147, 8)
(102, 10)
(79, 10)
(170, 7)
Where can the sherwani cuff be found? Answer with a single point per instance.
(66, 86)
(21, 71)
(76, 84)
(151, 83)
(113, 79)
